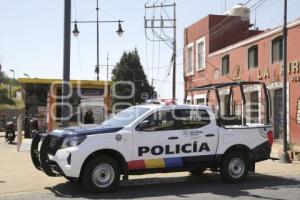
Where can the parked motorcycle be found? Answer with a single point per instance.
(34, 127)
(10, 132)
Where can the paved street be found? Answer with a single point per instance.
(20, 180)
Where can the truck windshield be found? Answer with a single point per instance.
(125, 117)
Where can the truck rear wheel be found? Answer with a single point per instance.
(234, 167)
(101, 174)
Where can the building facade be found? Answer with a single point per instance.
(43, 99)
(224, 48)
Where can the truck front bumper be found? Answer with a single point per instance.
(47, 156)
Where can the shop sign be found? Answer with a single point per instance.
(263, 74)
(293, 69)
(237, 72)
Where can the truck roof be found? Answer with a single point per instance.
(182, 106)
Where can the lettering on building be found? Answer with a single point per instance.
(237, 72)
(263, 74)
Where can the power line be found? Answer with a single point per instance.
(163, 23)
(107, 13)
(86, 14)
(247, 2)
(235, 21)
(254, 7)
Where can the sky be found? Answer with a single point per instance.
(31, 36)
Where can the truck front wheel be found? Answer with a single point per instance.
(234, 167)
(101, 174)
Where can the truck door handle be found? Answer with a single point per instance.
(209, 135)
(173, 138)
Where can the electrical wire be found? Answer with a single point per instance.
(159, 37)
(153, 45)
(247, 2)
(217, 27)
(108, 14)
(86, 14)
(78, 40)
(236, 21)
(146, 43)
(254, 7)
(158, 54)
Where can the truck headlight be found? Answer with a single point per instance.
(72, 141)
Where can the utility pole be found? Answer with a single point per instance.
(107, 65)
(285, 157)
(66, 62)
(163, 23)
(97, 70)
(76, 32)
(174, 56)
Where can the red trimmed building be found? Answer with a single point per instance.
(225, 48)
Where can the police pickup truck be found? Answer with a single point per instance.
(152, 139)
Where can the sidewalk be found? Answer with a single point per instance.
(2, 134)
(19, 175)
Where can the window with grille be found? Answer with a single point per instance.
(200, 55)
(253, 57)
(190, 59)
(200, 101)
(225, 65)
(277, 50)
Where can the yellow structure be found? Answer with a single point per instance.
(43, 98)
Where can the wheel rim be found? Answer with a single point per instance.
(103, 175)
(236, 168)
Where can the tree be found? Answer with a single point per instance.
(4, 97)
(3, 77)
(129, 68)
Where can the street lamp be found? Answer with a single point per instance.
(120, 31)
(14, 73)
(10, 82)
(26, 75)
(76, 32)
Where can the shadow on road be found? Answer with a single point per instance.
(181, 187)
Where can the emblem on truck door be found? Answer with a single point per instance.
(118, 137)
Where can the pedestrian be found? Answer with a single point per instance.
(89, 117)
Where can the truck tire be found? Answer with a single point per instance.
(72, 180)
(101, 174)
(197, 172)
(234, 167)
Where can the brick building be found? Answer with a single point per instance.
(225, 48)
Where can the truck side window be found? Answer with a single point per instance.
(191, 119)
(159, 121)
(176, 119)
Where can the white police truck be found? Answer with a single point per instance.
(153, 138)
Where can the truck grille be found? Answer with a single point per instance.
(54, 144)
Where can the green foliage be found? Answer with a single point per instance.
(3, 77)
(15, 89)
(4, 97)
(130, 69)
